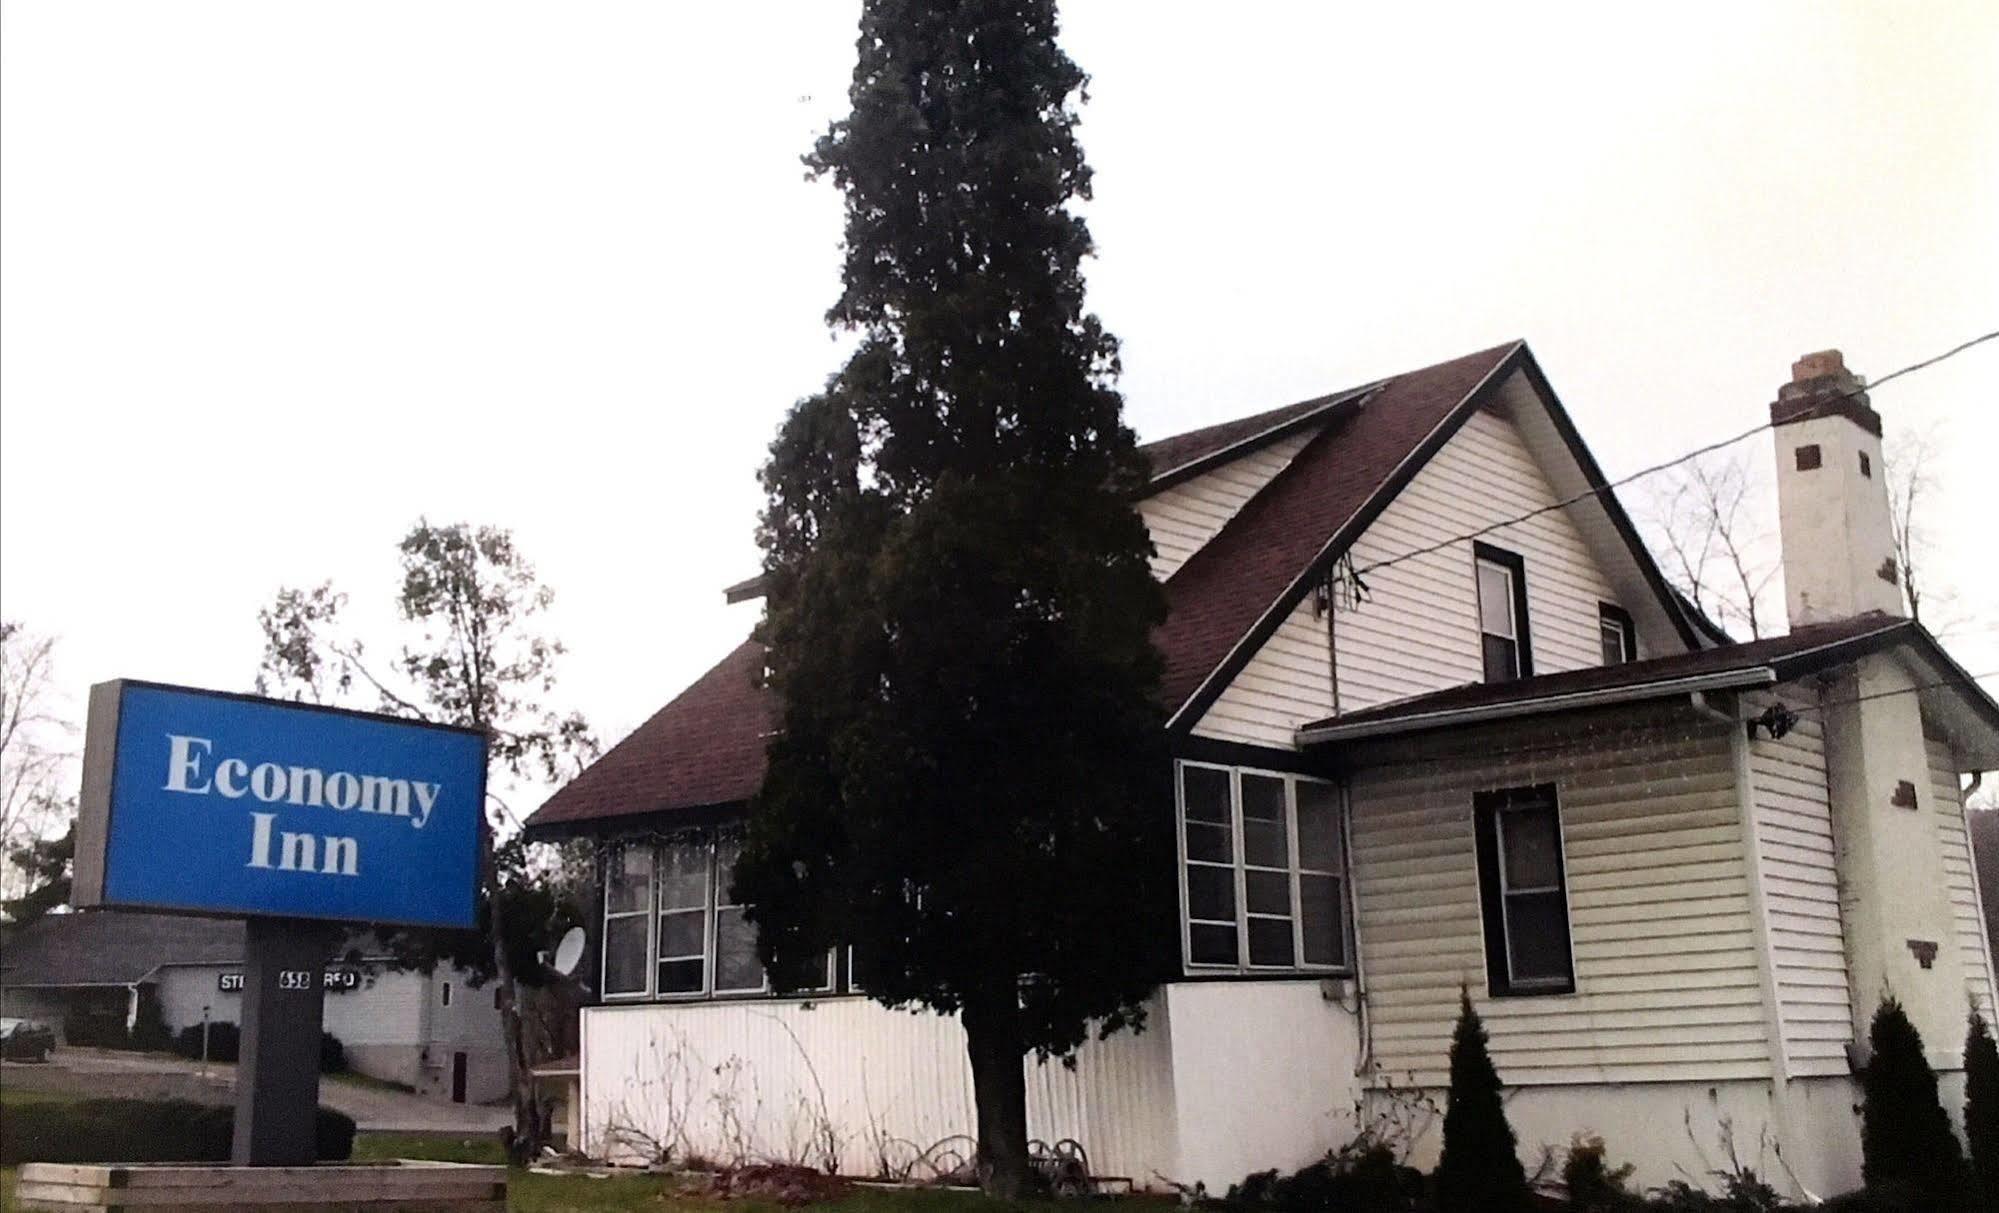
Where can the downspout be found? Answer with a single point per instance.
(1364, 1059)
(1741, 751)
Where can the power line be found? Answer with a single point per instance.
(1595, 490)
(1968, 680)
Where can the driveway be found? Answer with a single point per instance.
(107, 1073)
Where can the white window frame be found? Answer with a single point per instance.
(1606, 626)
(712, 905)
(1241, 866)
(652, 926)
(1562, 984)
(707, 912)
(1511, 600)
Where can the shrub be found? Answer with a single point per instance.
(224, 1041)
(136, 1130)
(1480, 1170)
(1363, 1178)
(1981, 1108)
(149, 1031)
(1905, 1137)
(1592, 1185)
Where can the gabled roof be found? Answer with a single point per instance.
(1807, 650)
(114, 948)
(1218, 600)
(706, 748)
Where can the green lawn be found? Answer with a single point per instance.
(531, 1193)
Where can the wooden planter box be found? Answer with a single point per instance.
(374, 1186)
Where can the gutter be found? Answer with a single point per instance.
(1751, 676)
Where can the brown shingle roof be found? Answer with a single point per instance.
(1224, 589)
(707, 747)
(704, 748)
(1193, 446)
(1801, 651)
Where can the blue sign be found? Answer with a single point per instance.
(229, 804)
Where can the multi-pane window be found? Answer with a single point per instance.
(683, 917)
(1264, 870)
(1619, 638)
(672, 902)
(1523, 891)
(627, 919)
(737, 970)
(1502, 614)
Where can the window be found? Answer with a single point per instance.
(737, 970)
(671, 902)
(1264, 872)
(1619, 638)
(627, 920)
(444, 995)
(496, 998)
(1523, 892)
(1502, 614)
(683, 917)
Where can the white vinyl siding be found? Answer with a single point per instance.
(1668, 979)
(1960, 875)
(1796, 854)
(1288, 683)
(1418, 630)
(1186, 516)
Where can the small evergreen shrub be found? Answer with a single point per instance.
(1981, 1108)
(140, 1130)
(1592, 1184)
(1480, 1170)
(149, 1031)
(1905, 1136)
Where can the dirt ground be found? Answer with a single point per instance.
(108, 1074)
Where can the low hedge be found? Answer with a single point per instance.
(140, 1130)
(225, 1043)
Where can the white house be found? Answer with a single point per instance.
(1439, 725)
(432, 1032)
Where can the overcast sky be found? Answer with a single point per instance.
(279, 278)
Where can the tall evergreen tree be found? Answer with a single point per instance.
(1905, 1136)
(1480, 1170)
(1981, 1108)
(970, 784)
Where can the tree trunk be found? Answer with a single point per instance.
(530, 1131)
(999, 1088)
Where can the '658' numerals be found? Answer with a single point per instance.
(295, 979)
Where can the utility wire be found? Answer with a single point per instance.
(1971, 680)
(1595, 490)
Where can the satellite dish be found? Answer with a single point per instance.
(569, 953)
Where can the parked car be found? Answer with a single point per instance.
(26, 1040)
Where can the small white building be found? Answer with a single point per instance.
(1673, 872)
(433, 1033)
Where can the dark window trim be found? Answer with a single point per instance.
(1523, 624)
(1485, 827)
(1618, 615)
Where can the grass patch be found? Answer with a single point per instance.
(12, 1096)
(430, 1147)
(528, 1192)
(355, 1078)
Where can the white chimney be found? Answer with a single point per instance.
(1832, 495)
(1839, 561)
